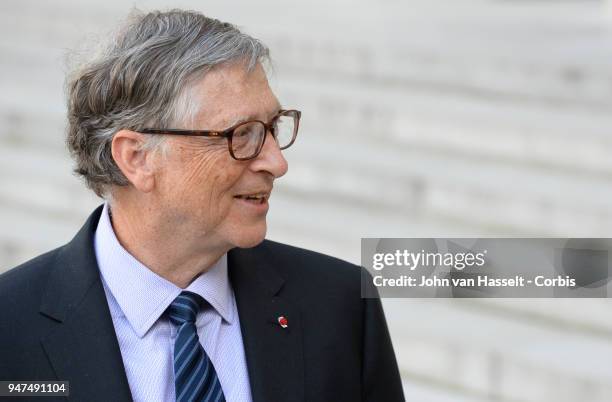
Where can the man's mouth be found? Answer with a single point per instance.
(258, 198)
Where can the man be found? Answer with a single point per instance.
(169, 291)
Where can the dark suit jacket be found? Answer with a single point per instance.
(55, 325)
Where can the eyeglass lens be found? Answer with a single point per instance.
(249, 137)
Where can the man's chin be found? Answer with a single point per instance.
(248, 240)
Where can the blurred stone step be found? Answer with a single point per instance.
(423, 183)
(492, 356)
(436, 72)
(578, 315)
(573, 140)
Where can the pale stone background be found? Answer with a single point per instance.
(453, 117)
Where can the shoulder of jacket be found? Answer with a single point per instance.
(28, 275)
(312, 265)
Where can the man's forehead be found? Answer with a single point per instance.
(264, 114)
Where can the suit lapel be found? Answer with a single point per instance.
(274, 354)
(83, 349)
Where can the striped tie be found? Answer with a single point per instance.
(194, 375)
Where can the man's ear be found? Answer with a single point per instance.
(136, 163)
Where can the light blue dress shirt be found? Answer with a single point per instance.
(137, 298)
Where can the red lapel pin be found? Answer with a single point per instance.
(282, 321)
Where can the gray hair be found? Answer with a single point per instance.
(143, 79)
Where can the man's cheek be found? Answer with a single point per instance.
(201, 169)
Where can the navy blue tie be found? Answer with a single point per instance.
(195, 377)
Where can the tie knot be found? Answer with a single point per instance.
(185, 308)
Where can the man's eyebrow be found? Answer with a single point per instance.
(251, 117)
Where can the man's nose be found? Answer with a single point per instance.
(271, 158)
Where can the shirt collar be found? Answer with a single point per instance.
(142, 295)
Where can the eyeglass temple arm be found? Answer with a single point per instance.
(202, 133)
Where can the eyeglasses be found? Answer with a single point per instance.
(245, 140)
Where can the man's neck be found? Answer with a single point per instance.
(160, 246)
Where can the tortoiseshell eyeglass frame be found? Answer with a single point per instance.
(229, 132)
